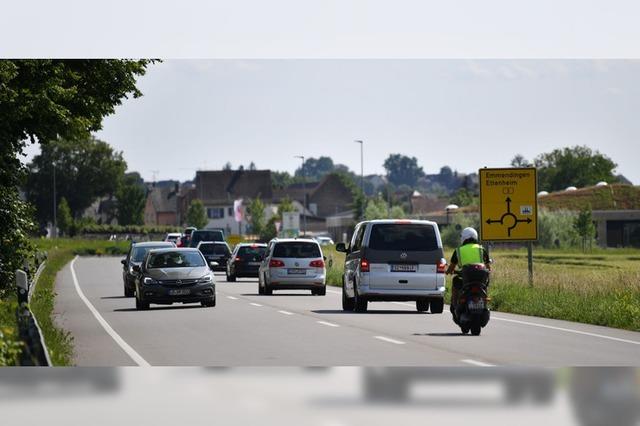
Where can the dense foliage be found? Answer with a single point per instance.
(403, 170)
(42, 101)
(196, 214)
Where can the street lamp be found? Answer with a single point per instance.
(361, 165)
(54, 231)
(304, 196)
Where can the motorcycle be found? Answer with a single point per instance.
(472, 312)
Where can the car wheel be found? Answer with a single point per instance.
(360, 303)
(268, 290)
(129, 292)
(475, 330)
(322, 291)
(347, 302)
(422, 305)
(141, 305)
(210, 303)
(437, 306)
(231, 278)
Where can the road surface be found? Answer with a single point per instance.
(293, 328)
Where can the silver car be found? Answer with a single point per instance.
(293, 264)
(394, 260)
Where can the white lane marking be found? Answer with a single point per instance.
(232, 298)
(135, 356)
(329, 324)
(286, 312)
(477, 363)
(387, 339)
(255, 304)
(568, 330)
(333, 291)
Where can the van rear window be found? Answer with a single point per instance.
(403, 237)
(297, 250)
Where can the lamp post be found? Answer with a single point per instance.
(361, 165)
(304, 196)
(54, 231)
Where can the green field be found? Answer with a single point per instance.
(601, 287)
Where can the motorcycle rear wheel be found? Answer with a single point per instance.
(464, 330)
(475, 330)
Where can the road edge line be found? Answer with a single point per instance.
(135, 356)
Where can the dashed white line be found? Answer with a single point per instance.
(387, 339)
(286, 312)
(232, 298)
(568, 330)
(255, 304)
(477, 363)
(328, 324)
(135, 356)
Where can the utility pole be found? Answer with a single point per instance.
(361, 174)
(54, 231)
(304, 197)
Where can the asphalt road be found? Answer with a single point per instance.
(293, 328)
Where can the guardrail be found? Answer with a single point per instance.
(34, 350)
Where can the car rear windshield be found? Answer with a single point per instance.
(208, 249)
(403, 237)
(198, 236)
(297, 250)
(139, 252)
(175, 259)
(251, 253)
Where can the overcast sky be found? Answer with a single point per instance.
(199, 114)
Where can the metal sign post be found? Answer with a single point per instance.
(509, 207)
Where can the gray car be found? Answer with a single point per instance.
(293, 264)
(174, 275)
(394, 260)
(135, 256)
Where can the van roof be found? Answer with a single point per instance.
(401, 221)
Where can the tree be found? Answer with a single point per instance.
(64, 218)
(132, 197)
(286, 205)
(281, 179)
(86, 169)
(377, 208)
(227, 166)
(315, 168)
(256, 215)
(403, 170)
(196, 215)
(462, 197)
(583, 224)
(40, 101)
(520, 161)
(577, 166)
(252, 166)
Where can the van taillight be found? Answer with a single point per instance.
(364, 265)
(275, 263)
(317, 264)
(237, 259)
(441, 267)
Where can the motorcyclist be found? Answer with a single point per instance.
(470, 252)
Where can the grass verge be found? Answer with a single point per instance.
(10, 343)
(60, 252)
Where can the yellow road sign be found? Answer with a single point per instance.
(508, 204)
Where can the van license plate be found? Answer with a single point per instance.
(296, 271)
(404, 268)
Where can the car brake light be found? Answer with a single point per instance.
(317, 264)
(275, 263)
(364, 265)
(441, 267)
(237, 259)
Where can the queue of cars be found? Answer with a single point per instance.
(386, 260)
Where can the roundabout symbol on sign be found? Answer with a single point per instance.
(509, 219)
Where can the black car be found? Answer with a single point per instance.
(205, 235)
(216, 251)
(245, 261)
(174, 275)
(136, 254)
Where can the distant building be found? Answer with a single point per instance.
(161, 207)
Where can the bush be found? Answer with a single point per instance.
(451, 233)
(556, 230)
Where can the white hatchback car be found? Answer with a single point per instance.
(293, 264)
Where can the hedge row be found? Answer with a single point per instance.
(127, 229)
